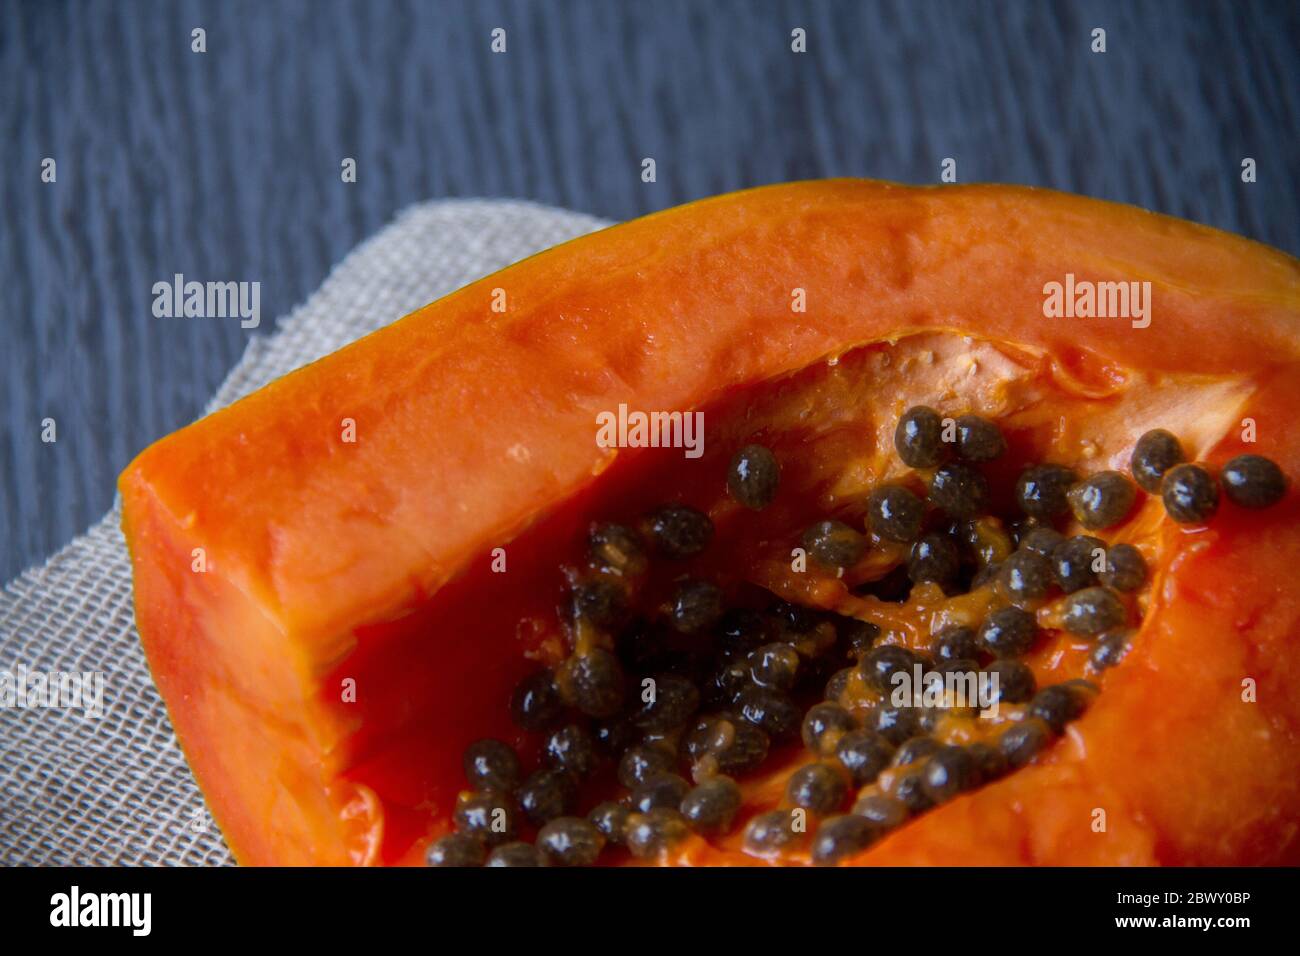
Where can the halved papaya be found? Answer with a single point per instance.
(342, 579)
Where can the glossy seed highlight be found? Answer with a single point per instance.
(1253, 481)
(1190, 494)
(918, 438)
(753, 477)
(1154, 454)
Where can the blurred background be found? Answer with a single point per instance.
(225, 165)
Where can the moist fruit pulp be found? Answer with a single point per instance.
(836, 438)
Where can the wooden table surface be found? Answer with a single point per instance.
(225, 165)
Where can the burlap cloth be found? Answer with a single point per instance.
(116, 790)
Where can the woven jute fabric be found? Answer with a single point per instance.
(116, 789)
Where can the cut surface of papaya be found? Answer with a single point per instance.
(671, 529)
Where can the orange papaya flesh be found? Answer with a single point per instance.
(348, 638)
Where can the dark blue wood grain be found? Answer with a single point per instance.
(225, 165)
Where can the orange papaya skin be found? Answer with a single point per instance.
(328, 561)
